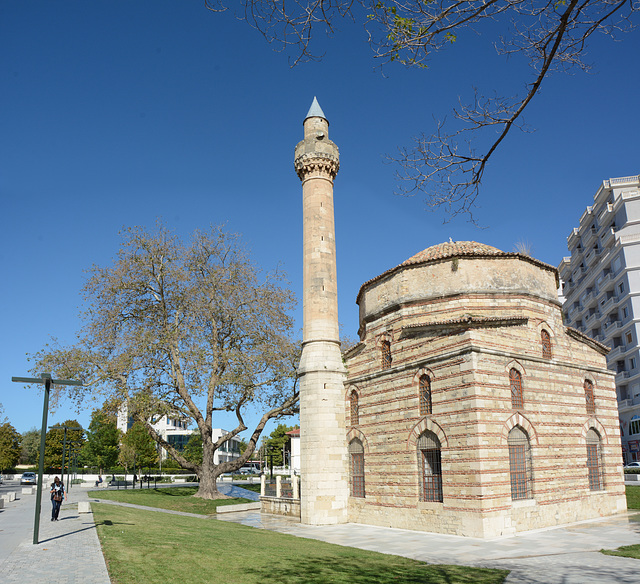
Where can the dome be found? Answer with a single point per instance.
(452, 249)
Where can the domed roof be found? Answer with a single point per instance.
(457, 249)
(452, 249)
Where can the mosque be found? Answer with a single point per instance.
(467, 407)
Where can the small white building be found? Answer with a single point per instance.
(295, 450)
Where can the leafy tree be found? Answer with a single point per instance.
(103, 440)
(185, 331)
(138, 447)
(30, 447)
(448, 164)
(276, 442)
(193, 448)
(9, 446)
(54, 443)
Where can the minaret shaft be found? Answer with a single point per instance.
(324, 491)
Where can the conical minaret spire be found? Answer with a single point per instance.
(324, 492)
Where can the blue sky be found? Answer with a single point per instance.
(115, 113)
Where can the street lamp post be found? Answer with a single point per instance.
(46, 379)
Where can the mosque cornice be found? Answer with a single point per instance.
(464, 322)
(587, 340)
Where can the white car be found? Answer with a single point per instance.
(633, 465)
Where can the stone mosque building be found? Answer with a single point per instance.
(467, 407)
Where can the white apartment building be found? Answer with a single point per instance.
(602, 292)
(177, 433)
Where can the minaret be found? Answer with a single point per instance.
(324, 491)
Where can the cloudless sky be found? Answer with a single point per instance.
(113, 114)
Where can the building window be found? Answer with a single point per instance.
(520, 464)
(425, 396)
(629, 338)
(356, 453)
(621, 288)
(430, 465)
(594, 461)
(386, 354)
(354, 408)
(588, 396)
(634, 427)
(546, 344)
(632, 362)
(515, 379)
(625, 312)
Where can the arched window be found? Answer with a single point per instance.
(425, 395)
(589, 398)
(430, 465)
(594, 460)
(520, 464)
(353, 409)
(386, 354)
(515, 379)
(356, 454)
(546, 345)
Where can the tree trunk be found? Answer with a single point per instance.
(208, 475)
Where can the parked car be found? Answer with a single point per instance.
(1, 479)
(28, 478)
(633, 465)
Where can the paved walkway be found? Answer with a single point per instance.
(69, 551)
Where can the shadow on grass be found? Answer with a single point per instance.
(353, 571)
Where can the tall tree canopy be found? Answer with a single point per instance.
(103, 440)
(185, 330)
(9, 446)
(55, 443)
(30, 447)
(448, 164)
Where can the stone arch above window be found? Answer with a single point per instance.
(356, 433)
(426, 425)
(594, 424)
(518, 419)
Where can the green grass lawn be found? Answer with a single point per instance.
(633, 497)
(174, 498)
(254, 488)
(146, 547)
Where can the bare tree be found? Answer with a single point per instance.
(448, 165)
(186, 331)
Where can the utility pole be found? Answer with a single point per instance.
(46, 379)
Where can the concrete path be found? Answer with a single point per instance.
(68, 551)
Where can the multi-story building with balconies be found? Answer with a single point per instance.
(602, 291)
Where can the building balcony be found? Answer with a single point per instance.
(606, 214)
(622, 375)
(574, 238)
(591, 318)
(617, 351)
(593, 255)
(574, 311)
(588, 298)
(603, 280)
(589, 236)
(608, 303)
(609, 237)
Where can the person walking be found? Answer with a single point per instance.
(57, 494)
